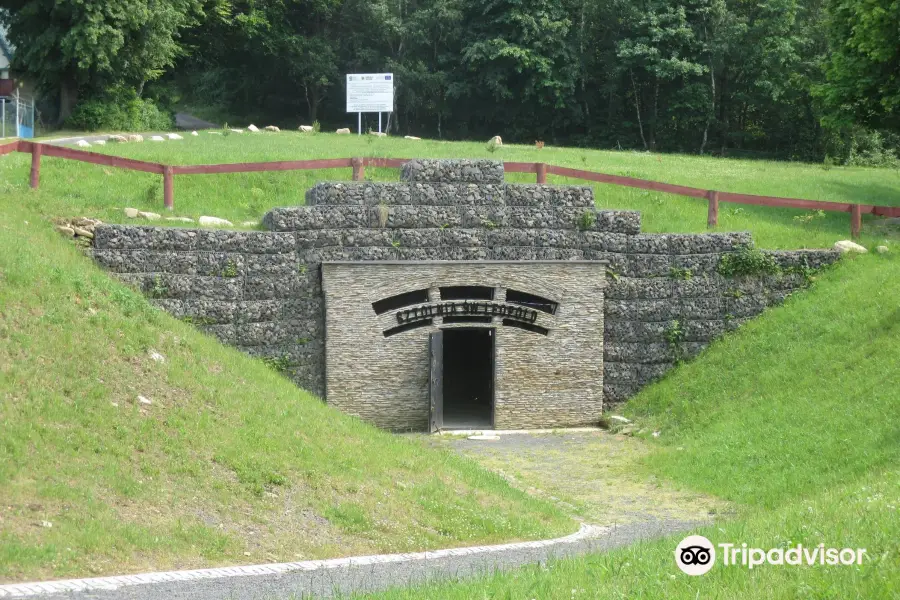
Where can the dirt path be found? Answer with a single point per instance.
(594, 476)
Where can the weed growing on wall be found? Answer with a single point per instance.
(158, 288)
(586, 220)
(748, 261)
(674, 335)
(230, 269)
(680, 273)
(278, 363)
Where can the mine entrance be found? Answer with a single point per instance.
(462, 378)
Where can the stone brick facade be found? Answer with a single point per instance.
(547, 380)
(261, 291)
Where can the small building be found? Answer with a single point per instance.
(452, 299)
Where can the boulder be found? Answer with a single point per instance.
(135, 137)
(253, 128)
(215, 222)
(620, 419)
(306, 128)
(82, 143)
(180, 219)
(214, 132)
(236, 130)
(100, 142)
(81, 232)
(272, 128)
(882, 249)
(65, 230)
(194, 133)
(411, 137)
(846, 246)
(344, 131)
(117, 138)
(174, 136)
(132, 213)
(144, 400)
(157, 138)
(377, 133)
(150, 216)
(496, 141)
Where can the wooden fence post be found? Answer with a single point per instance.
(359, 169)
(712, 215)
(541, 169)
(36, 150)
(855, 220)
(168, 187)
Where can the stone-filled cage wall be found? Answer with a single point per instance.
(261, 291)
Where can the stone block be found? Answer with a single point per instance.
(464, 238)
(648, 265)
(317, 238)
(648, 243)
(253, 311)
(633, 352)
(635, 331)
(219, 264)
(122, 261)
(208, 312)
(697, 264)
(224, 333)
(640, 310)
(746, 306)
(705, 285)
(702, 330)
(355, 238)
(336, 193)
(617, 393)
(628, 288)
(454, 194)
(700, 308)
(707, 243)
(547, 196)
(411, 217)
(604, 241)
(418, 238)
(527, 217)
(453, 171)
(249, 242)
(618, 221)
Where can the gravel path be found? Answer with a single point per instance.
(325, 579)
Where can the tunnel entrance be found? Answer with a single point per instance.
(468, 378)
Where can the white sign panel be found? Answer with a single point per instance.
(373, 92)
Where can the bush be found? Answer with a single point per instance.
(119, 110)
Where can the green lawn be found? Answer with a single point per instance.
(229, 464)
(74, 189)
(793, 418)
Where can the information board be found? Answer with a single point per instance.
(372, 92)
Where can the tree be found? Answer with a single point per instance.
(863, 71)
(86, 46)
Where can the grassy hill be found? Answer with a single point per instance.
(70, 189)
(228, 463)
(793, 418)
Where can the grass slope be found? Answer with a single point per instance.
(231, 463)
(73, 189)
(793, 418)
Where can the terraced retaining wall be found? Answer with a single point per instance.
(261, 290)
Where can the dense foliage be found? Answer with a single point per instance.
(794, 79)
(119, 110)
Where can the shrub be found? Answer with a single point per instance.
(747, 261)
(119, 110)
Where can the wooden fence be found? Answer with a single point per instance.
(358, 166)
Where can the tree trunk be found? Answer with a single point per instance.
(712, 104)
(655, 115)
(68, 98)
(723, 112)
(637, 108)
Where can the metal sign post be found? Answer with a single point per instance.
(370, 92)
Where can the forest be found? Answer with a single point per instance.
(813, 80)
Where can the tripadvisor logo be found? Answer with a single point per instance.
(696, 555)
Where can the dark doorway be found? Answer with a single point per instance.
(468, 378)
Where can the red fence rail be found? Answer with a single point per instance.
(358, 166)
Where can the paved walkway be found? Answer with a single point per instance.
(341, 577)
